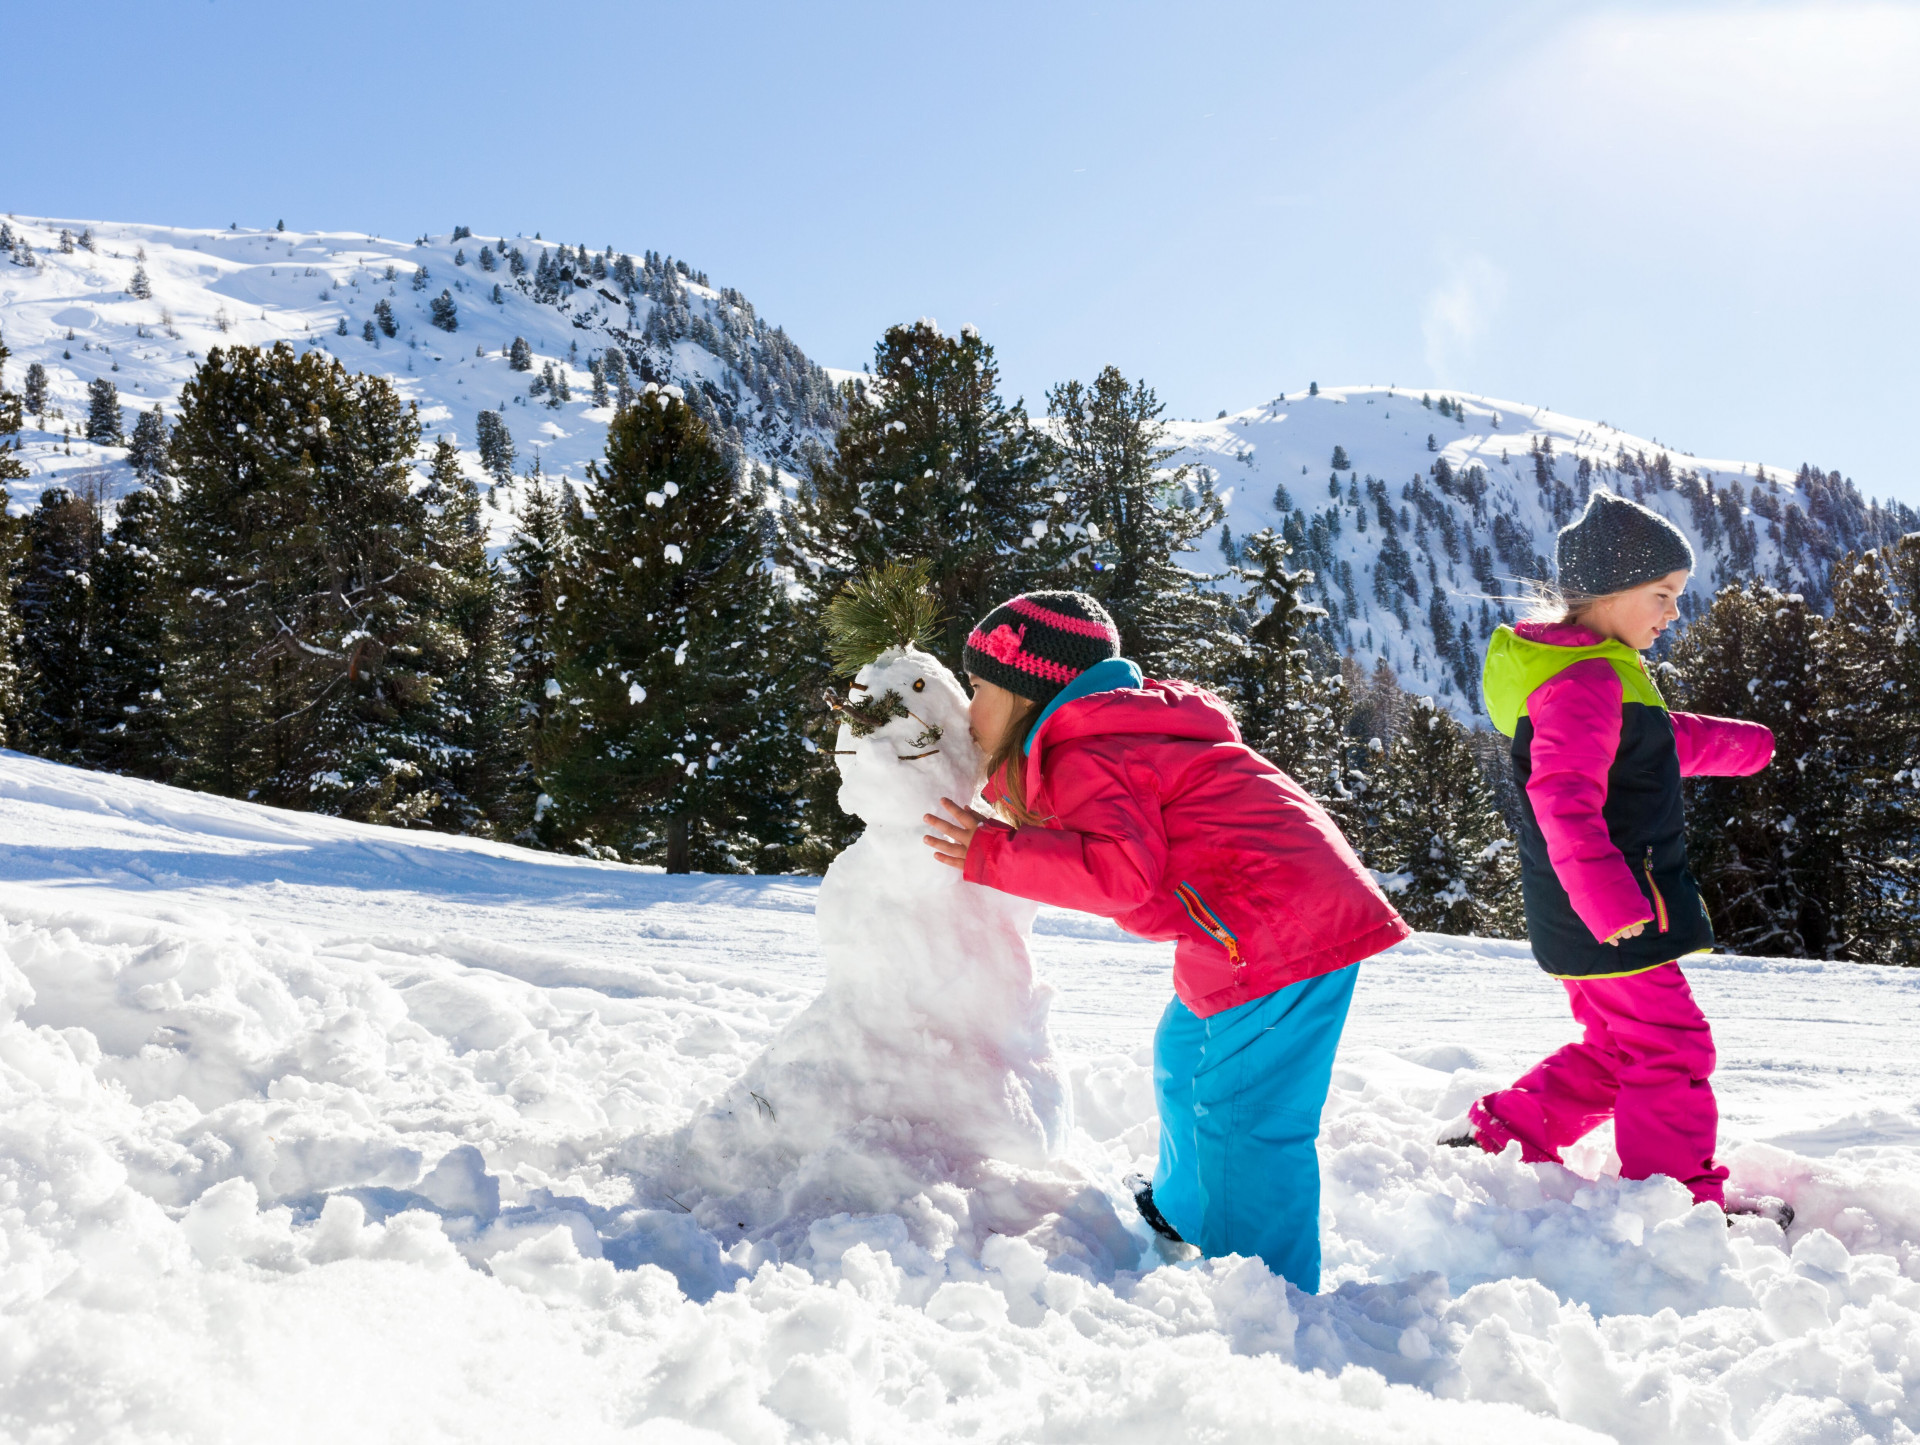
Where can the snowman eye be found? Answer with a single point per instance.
(919, 684)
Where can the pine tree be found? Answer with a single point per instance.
(520, 355)
(1279, 677)
(420, 278)
(536, 565)
(1127, 518)
(302, 607)
(1440, 838)
(11, 469)
(126, 707)
(147, 452)
(495, 446)
(383, 313)
(932, 463)
(675, 731)
(54, 599)
(443, 313)
(34, 393)
(103, 412)
(598, 371)
(1766, 848)
(486, 258)
(471, 771)
(1341, 462)
(140, 288)
(367, 334)
(1869, 671)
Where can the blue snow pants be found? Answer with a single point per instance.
(1240, 1096)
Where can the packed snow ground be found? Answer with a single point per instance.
(310, 1130)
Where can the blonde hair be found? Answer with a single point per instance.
(1010, 754)
(1550, 602)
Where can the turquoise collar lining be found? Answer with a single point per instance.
(1109, 676)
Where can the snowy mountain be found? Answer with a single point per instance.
(74, 309)
(1443, 503)
(311, 1130)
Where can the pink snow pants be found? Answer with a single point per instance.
(1645, 1060)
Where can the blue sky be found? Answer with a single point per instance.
(1692, 221)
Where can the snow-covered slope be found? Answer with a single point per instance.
(1472, 498)
(311, 1130)
(73, 312)
(1466, 532)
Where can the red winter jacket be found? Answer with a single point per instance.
(1159, 817)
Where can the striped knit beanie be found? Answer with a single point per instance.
(1037, 643)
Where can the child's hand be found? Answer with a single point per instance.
(951, 837)
(1632, 930)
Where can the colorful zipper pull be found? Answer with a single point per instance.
(1659, 901)
(1208, 922)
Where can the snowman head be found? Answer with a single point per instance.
(903, 742)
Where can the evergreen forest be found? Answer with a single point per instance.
(297, 606)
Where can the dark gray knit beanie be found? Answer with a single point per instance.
(1618, 544)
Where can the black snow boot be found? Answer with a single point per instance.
(1143, 1201)
(1761, 1206)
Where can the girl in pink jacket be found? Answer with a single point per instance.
(1611, 905)
(1138, 800)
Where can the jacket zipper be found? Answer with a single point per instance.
(1659, 902)
(1208, 922)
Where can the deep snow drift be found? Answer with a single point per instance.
(320, 1131)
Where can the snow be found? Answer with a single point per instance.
(253, 288)
(1384, 431)
(317, 1130)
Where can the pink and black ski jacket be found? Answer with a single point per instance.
(1599, 758)
(1160, 818)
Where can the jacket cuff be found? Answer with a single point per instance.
(1616, 904)
(989, 843)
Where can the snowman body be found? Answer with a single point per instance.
(926, 1058)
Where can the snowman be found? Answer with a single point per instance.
(925, 1065)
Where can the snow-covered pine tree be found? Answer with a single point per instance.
(301, 601)
(1279, 676)
(615, 367)
(536, 567)
(104, 422)
(486, 258)
(11, 469)
(596, 368)
(443, 313)
(472, 769)
(932, 463)
(1869, 666)
(520, 355)
(383, 314)
(1765, 848)
(1454, 866)
(33, 392)
(147, 451)
(127, 706)
(495, 444)
(54, 598)
(676, 715)
(1122, 518)
(420, 278)
(140, 288)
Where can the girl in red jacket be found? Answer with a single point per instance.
(1611, 905)
(1137, 800)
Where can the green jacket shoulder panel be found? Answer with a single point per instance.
(1515, 668)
